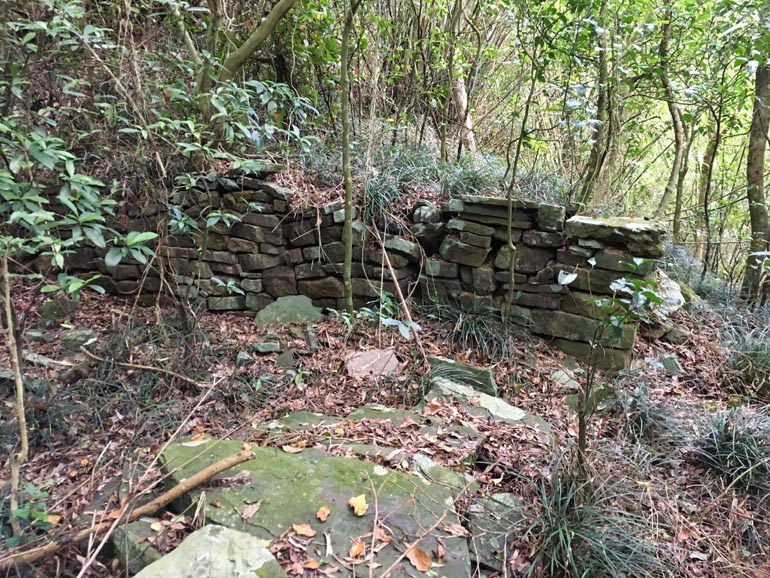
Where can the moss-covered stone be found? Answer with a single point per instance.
(492, 524)
(603, 357)
(575, 328)
(290, 309)
(527, 259)
(486, 405)
(379, 411)
(478, 378)
(441, 269)
(456, 251)
(461, 226)
(131, 548)
(292, 487)
(642, 238)
(551, 217)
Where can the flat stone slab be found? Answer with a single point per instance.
(642, 238)
(214, 551)
(379, 411)
(494, 407)
(373, 362)
(478, 378)
(289, 309)
(492, 522)
(290, 489)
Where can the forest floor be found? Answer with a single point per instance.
(87, 427)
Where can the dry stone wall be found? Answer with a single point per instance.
(456, 251)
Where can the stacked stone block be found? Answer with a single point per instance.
(457, 252)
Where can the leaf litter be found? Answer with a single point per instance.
(137, 410)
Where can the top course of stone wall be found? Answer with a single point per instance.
(455, 251)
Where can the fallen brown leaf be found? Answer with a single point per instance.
(356, 548)
(323, 513)
(250, 510)
(439, 554)
(381, 534)
(311, 564)
(304, 530)
(420, 559)
(456, 529)
(294, 448)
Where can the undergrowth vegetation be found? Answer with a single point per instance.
(735, 445)
(587, 528)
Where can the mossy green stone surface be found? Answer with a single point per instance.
(291, 488)
(131, 548)
(290, 309)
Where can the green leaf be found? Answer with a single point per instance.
(137, 238)
(138, 255)
(95, 236)
(113, 256)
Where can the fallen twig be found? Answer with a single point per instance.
(9, 562)
(143, 368)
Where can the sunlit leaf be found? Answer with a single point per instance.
(359, 505)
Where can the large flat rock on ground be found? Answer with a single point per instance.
(289, 309)
(216, 552)
(292, 487)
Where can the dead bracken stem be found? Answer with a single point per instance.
(404, 306)
(179, 376)
(9, 562)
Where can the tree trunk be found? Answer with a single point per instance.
(236, 59)
(683, 169)
(464, 114)
(704, 181)
(347, 229)
(755, 166)
(13, 335)
(676, 118)
(599, 148)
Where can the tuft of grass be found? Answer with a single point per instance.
(581, 530)
(736, 446)
(480, 330)
(543, 186)
(749, 359)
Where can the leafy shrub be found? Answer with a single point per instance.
(736, 446)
